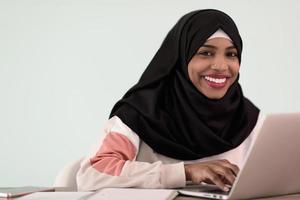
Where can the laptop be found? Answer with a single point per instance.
(272, 164)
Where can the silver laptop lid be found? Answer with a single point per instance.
(272, 166)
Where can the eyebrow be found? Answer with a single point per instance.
(214, 47)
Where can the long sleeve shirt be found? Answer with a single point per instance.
(124, 160)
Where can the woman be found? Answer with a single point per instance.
(185, 120)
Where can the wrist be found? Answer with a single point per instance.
(187, 172)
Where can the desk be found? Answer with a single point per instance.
(286, 197)
(181, 197)
(70, 196)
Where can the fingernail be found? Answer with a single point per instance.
(226, 189)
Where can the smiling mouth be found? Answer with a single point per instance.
(215, 82)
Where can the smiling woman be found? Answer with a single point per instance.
(185, 120)
(215, 66)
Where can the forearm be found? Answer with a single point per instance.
(115, 165)
(133, 174)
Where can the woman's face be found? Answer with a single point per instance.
(214, 67)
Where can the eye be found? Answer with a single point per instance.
(231, 54)
(205, 53)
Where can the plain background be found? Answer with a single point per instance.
(63, 65)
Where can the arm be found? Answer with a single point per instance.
(115, 164)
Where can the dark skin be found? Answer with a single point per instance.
(218, 172)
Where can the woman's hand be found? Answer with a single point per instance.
(218, 172)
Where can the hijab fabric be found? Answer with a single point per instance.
(168, 112)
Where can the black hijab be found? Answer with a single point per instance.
(167, 111)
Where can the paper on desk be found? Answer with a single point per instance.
(57, 196)
(106, 194)
(133, 194)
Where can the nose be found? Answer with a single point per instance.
(220, 63)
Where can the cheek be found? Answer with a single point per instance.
(192, 69)
(189, 68)
(197, 65)
(235, 69)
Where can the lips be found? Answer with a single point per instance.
(216, 81)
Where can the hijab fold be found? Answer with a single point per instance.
(168, 112)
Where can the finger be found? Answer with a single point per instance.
(215, 178)
(228, 164)
(226, 181)
(226, 174)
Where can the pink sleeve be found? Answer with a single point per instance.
(116, 149)
(114, 164)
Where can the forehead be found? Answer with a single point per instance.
(219, 42)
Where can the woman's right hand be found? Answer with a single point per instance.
(218, 172)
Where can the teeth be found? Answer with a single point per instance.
(216, 80)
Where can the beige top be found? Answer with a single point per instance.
(122, 159)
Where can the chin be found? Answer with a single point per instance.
(215, 96)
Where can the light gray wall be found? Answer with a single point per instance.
(63, 64)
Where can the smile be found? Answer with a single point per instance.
(214, 82)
